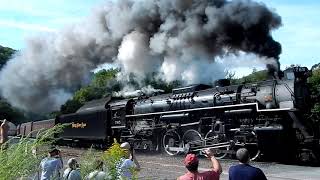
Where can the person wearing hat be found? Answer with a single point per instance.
(192, 162)
(243, 171)
(51, 165)
(72, 172)
(128, 163)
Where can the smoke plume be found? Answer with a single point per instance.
(129, 91)
(178, 39)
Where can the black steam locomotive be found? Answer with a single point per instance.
(267, 117)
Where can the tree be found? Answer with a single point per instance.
(255, 76)
(5, 54)
(230, 75)
(158, 83)
(314, 82)
(70, 106)
(89, 93)
(102, 82)
(11, 114)
(102, 77)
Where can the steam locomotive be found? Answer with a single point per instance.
(268, 118)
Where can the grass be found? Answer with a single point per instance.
(87, 164)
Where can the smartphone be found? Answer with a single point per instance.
(204, 153)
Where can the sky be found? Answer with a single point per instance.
(299, 34)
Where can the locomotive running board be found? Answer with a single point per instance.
(215, 107)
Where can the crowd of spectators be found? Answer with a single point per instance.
(52, 165)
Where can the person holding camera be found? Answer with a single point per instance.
(128, 164)
(72, 172)
(192, 162)
(51, 165)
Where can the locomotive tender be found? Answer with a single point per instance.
(266, 117)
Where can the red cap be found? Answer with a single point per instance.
(191, 159)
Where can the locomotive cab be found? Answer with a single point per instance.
(297, 73)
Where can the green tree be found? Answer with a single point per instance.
(101, 85)
(256, 76)
(5, 54)
(158, 83)
(11, 114)
(102, 77)
(314, 82)
(70, 106)
(88, 93)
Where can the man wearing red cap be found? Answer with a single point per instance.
(191, 162)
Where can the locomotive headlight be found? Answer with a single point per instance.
(268, 98)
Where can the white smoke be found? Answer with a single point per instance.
(134, 55)
(200, 71)
(177, 39)
(129, 91)
(248, 60)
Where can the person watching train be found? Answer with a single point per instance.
(128, 164)
(72, 172)
(192, 163)
(51, 165)
(244, 171)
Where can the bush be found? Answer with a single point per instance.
(112, 157)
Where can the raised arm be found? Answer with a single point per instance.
(134, 159)
(216, 166)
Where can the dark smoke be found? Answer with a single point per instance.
(178, 39)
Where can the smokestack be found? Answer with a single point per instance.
(178, 39)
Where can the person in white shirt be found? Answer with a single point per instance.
(98, 173)
(51, 165)
(127, 164)
(72, 172)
